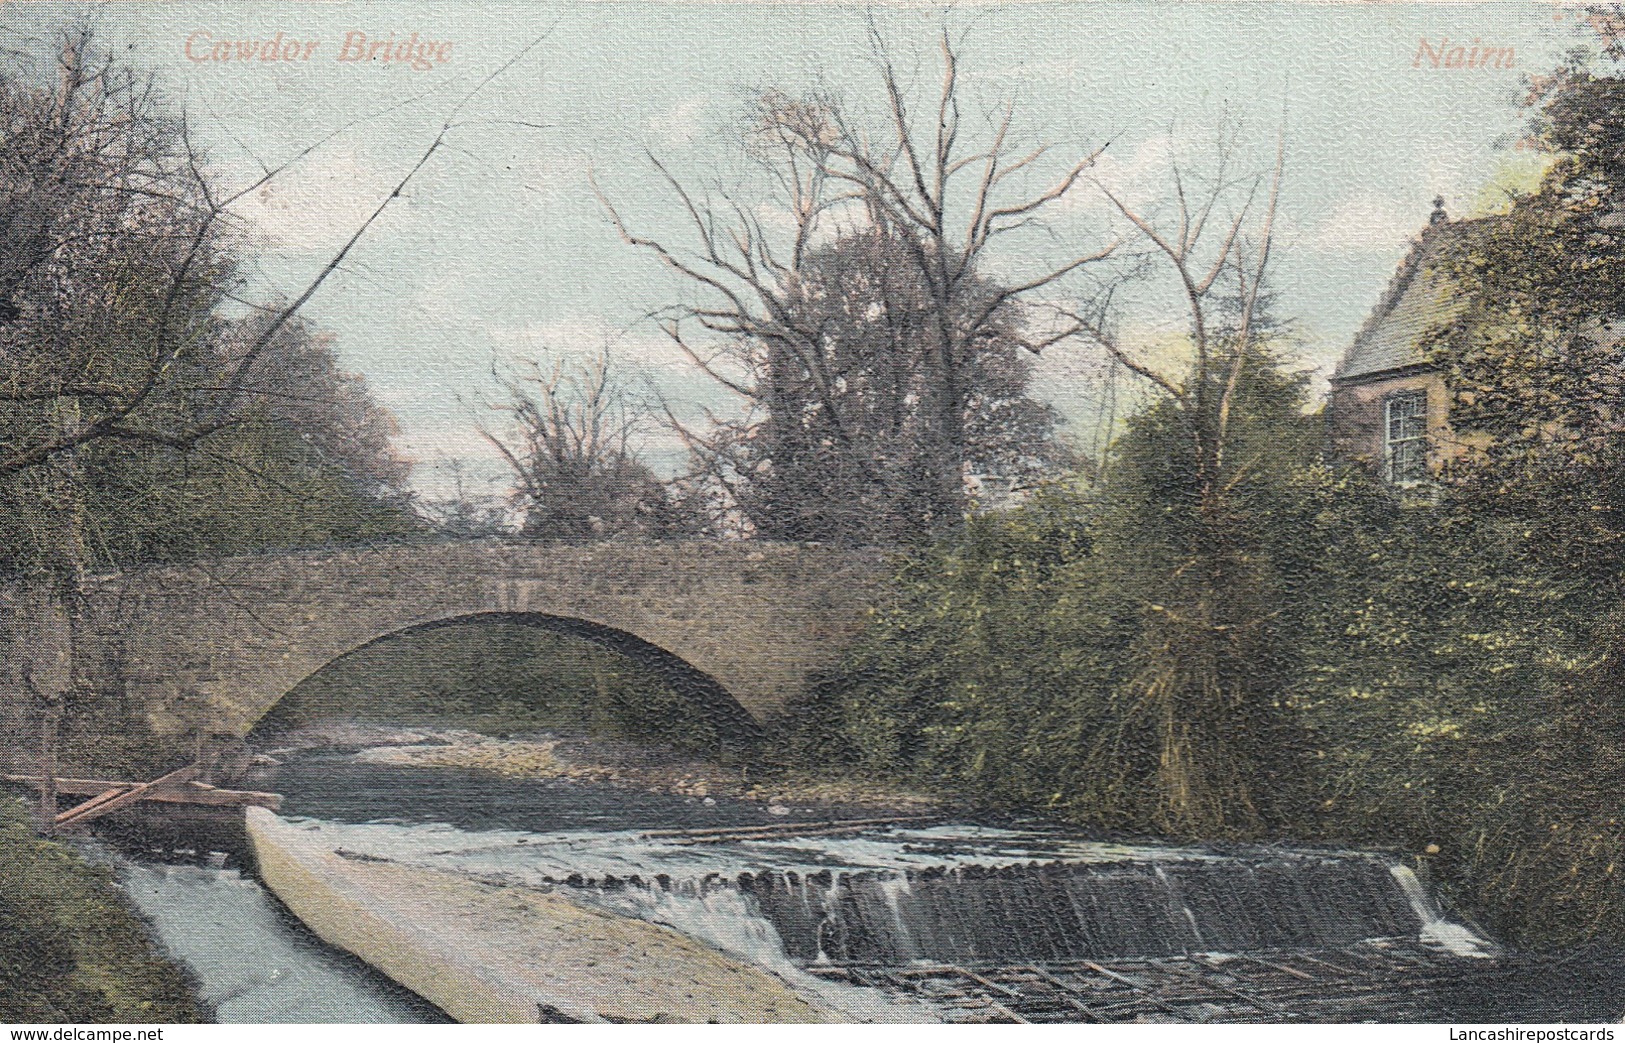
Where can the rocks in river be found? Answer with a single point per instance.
(519, 757)
(354, 735)
(574, 758)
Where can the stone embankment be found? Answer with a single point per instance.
(500, 954)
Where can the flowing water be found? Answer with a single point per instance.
(951, 893)
(916, 895)
(253, 962)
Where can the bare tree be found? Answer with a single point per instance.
(938, 203)
(464, 514)
(1217, 253)
(115, 250)
(856, 464)
(1201, 683)
(569, 443)
(116, 255)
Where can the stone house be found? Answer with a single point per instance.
(1389, 407)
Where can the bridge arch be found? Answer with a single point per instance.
(752, 621)
(701, 693)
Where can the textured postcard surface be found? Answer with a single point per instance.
(796, 512)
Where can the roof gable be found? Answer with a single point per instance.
(1419, 297)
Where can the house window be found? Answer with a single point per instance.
(1405, 437)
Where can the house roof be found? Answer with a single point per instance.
(1418, 298)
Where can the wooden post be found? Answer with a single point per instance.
(50, 724)
(49, 702)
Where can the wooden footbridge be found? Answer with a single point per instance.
(182, 786)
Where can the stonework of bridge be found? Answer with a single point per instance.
(734, 626)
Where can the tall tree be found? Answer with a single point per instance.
(1208, 613)
(115, 344)
(1534, 363)
(1535, 357)
(915, 210)
(1018, 655)
(854, 462)
(131, 406)
(306, 459)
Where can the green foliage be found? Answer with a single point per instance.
(73, 951)
(258, 486)
(930, 689)
(499, 678)
(1012, 663)
(1193, 541)
(1535, 358)
(1463, 683)
(1329, 662)
(870, 383)
(1457, 696)
(142, 418)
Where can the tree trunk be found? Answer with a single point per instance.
(949, 452)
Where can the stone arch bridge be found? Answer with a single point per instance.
(739, 628)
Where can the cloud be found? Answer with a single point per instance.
(681, 123)
(316, 205)
(1137, 176)
(1366, 223)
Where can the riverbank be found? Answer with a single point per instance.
(562, 756)
(74, 950)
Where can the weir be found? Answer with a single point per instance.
(551, 898)
(886, 909)
(486, 954)
(1133, 904)
(975, 915)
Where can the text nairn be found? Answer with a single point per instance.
(1461, 56)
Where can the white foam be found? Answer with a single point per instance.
(1437, 931)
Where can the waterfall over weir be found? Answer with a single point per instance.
(952, 894)
(533, 882)
(1073, 912)
(1042, 913)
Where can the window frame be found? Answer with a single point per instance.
(1416, 469)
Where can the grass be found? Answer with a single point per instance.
(71, 949)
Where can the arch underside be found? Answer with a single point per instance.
(726, 715)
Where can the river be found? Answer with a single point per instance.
(819, 909)
(254, 963)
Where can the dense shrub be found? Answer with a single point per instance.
(1438, 688)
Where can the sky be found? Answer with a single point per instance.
(499, 250)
